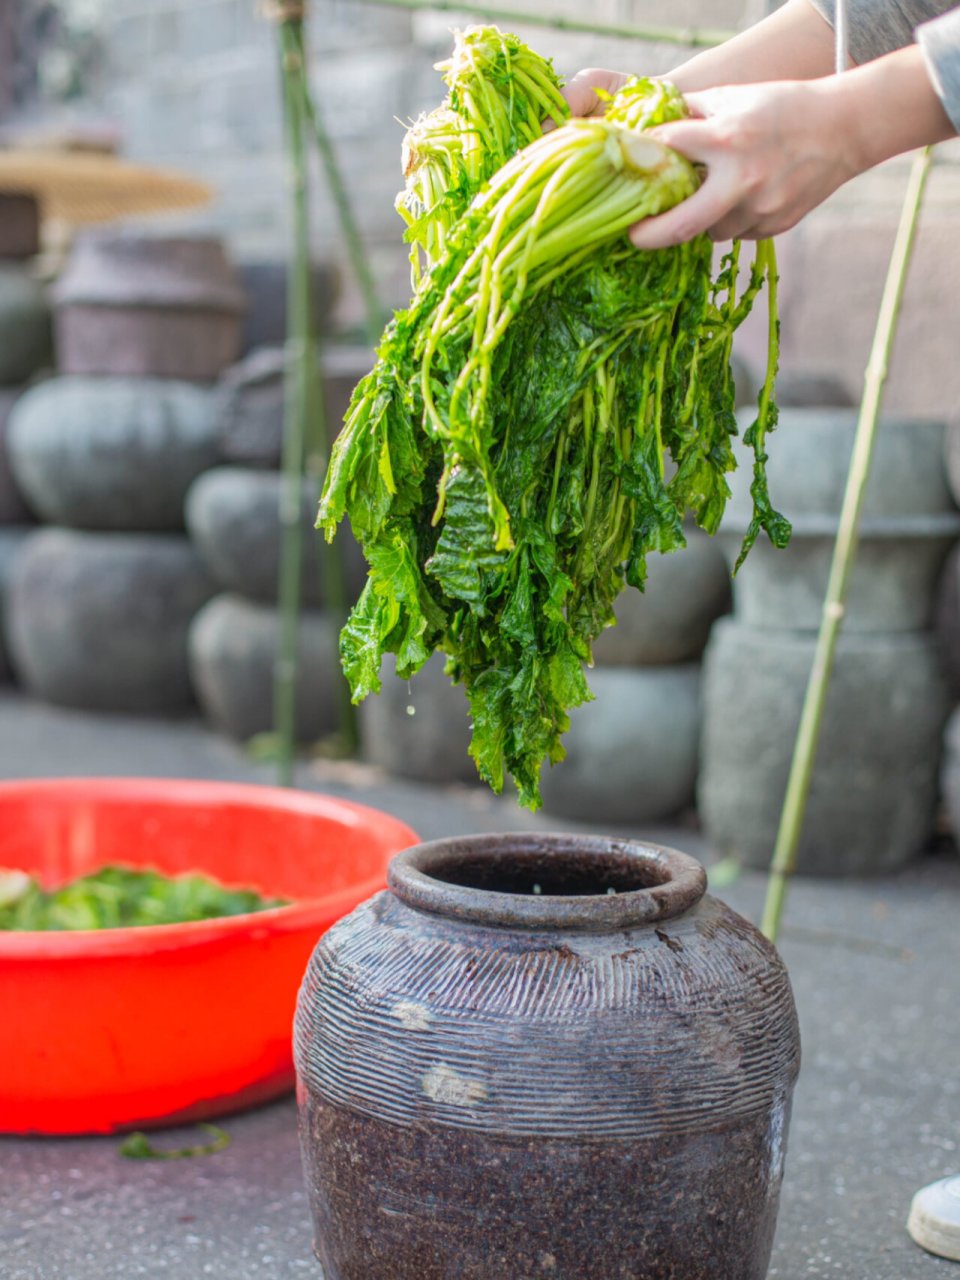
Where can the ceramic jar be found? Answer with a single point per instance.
(544, 1056)
(148, 306)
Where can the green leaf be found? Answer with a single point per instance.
(139, 1147)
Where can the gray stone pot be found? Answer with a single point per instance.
(99, 620)
(233, 516)
(250, 401)
(148, 306)
(632, 753)
(12, 540)
(233, 649)
(874, 792)
(24, 325)
(670, 620)
(13, 506)
(907, 528)
(950, 773)
(19, 226)
(111, 453)
(418, 728)
(265, 289)
(948, 620)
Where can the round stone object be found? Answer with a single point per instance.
(418, 728)
(111, 453)
(24, 325)
(631, 753)
(670, 620)
(233, 516)
(251, 396)
(131, 303)
(13, 506)
(12, 540)
(934, 1221)
(950, 772)
(874, 792)
(908, 525)
(948, 620)
(99, 620)
(233, 649)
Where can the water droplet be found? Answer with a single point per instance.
(537, 889)
(611, 890)
(411, 710)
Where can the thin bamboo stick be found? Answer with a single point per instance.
(694, 37)
(808, 734)
(301, 355)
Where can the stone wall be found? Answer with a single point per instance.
(194, 84)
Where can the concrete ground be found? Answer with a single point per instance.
(875, 967)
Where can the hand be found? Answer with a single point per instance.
(772, 152)
(581, 92)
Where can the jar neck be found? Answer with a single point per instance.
(567, 882)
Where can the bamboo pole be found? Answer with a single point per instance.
(300, 394)
(694, 37)
(801, 770)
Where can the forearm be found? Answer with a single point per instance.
(891, 106)
(794, 43)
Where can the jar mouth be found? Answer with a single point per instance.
(561, 881)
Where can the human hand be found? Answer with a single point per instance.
(772, 152)
(581, 92)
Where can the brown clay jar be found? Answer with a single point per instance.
(544, 1056)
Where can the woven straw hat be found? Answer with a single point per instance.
(80, 186)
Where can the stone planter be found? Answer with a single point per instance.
(419, 728)
(24, 325)
(99, 621)
(950, 774)
(873, 798)
(544, 1056)
(19, 226)
(265, 289)
(632, 753)
(145, 306)
(907, 528)
(13, 507)
(948, 620)
(12, 541)
(670, 620)
(233, 650)
(250, 401)
(111, 453)
(233, 515)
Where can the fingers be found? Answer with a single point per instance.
(581, 93)
(700, 212)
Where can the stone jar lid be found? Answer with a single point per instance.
(131, 269)
(809, 458)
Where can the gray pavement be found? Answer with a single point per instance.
(875, 967)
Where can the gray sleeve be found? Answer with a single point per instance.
(940, 42)
(880, 26)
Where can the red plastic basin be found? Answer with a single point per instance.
(121, 1028)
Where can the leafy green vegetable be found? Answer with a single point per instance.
(547, 410)
(116, 897)
(139, 1147)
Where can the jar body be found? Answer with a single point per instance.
(495, 1102)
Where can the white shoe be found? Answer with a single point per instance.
(934, 1221)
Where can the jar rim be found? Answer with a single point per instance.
(636, 883)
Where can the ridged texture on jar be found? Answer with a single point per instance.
(408, 1018)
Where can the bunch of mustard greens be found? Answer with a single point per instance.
(549, 408)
